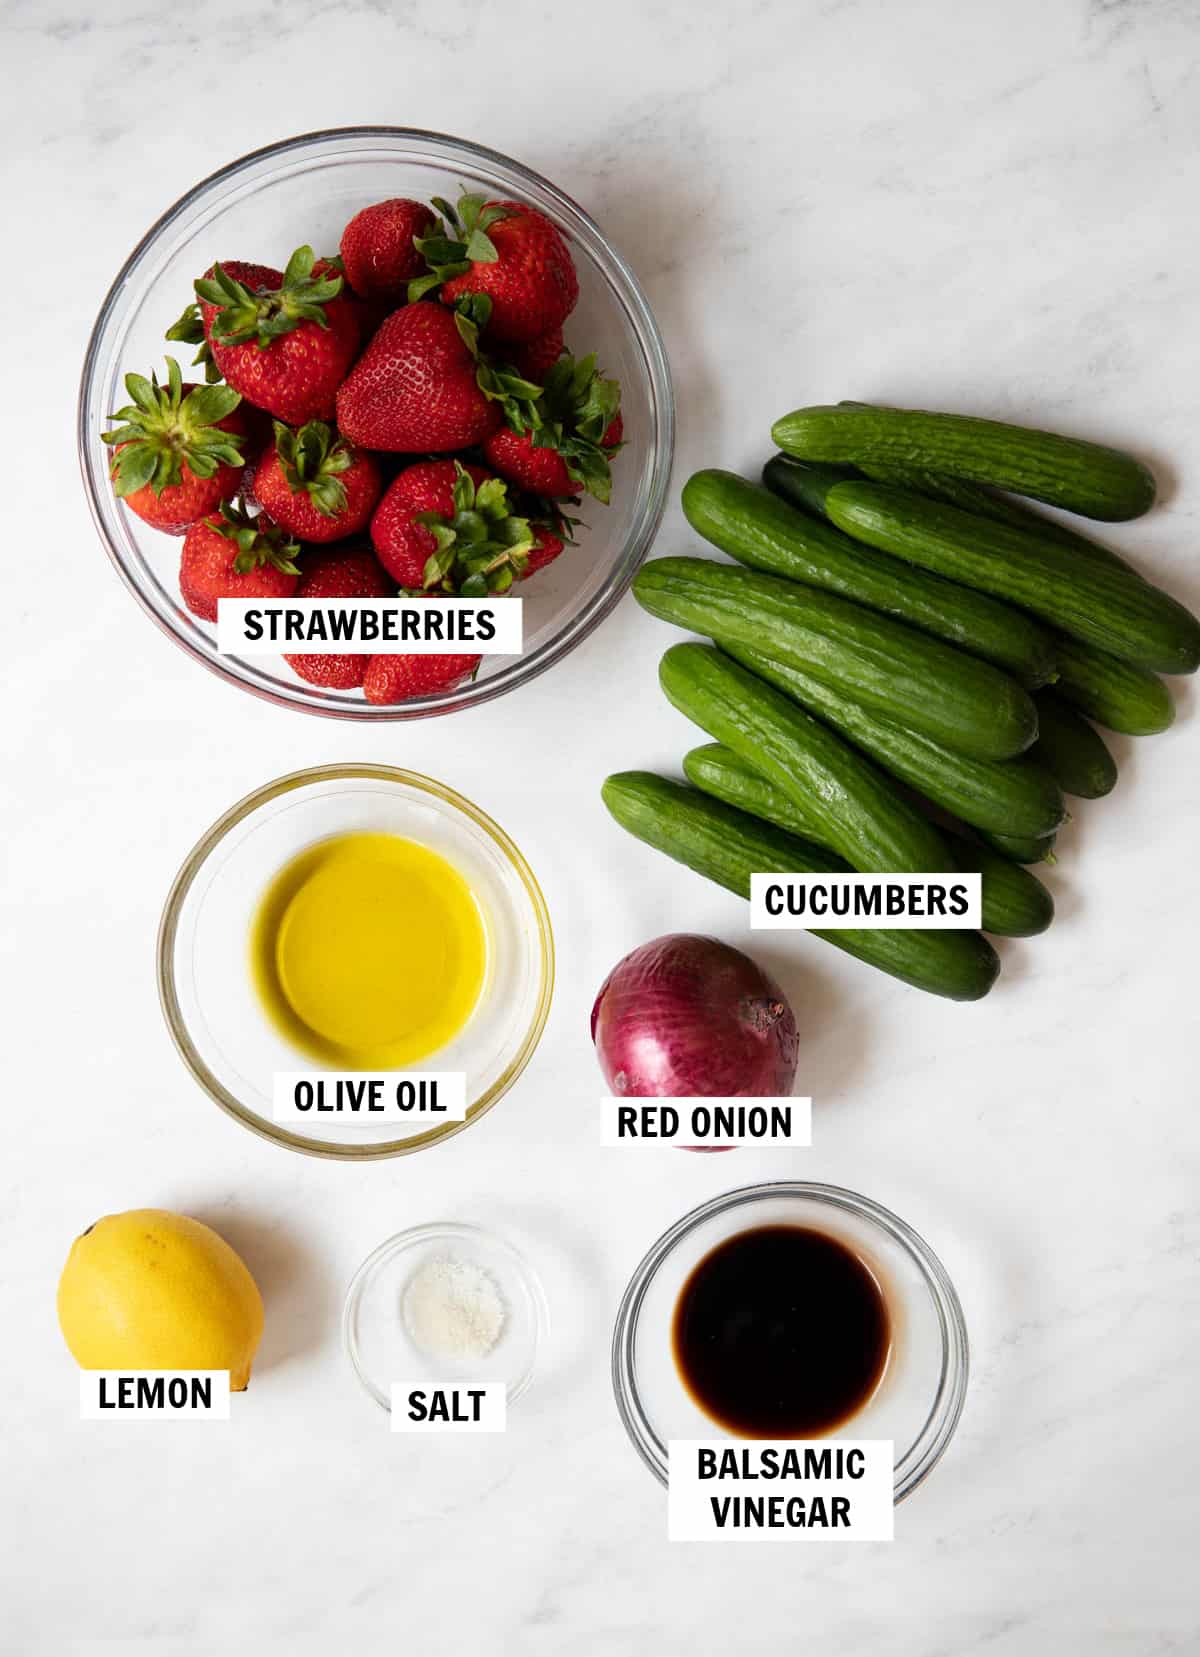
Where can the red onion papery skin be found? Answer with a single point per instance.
(686, 1016)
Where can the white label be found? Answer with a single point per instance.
(453, 1407)
(369, 1096)
(835, 903)
(162, 1392)
(369, 626)
(711, 1123)
(760, 1490)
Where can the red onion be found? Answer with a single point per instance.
(685, 1016)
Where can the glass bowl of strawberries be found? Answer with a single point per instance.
(376, 362)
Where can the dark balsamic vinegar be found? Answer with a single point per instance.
(781, 1332)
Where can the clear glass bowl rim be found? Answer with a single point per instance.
(169, 925)
(931, 1442)
(428, 1232)
(573, 631)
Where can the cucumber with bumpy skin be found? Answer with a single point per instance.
(757, 528)
(973, 497)
(805, 483)
(863, 818)
(1022, 848)
(1083, 477)
(1072, 751)
(1116, 694)
(1007, 796)
(1105, 605)
(984, 502)
(728, 847)
(1015, 903)
(895, 670)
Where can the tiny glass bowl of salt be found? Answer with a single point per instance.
(443, 1303)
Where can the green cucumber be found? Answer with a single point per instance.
(1009, 797)
(973, 497)
(1115, 694)
(1104, 605)
(976, 498)
(1022, 848)
(753, 526)
(717, 770)
(900, 673)
(1062, 471)
(728, 847)
(1072, 751)
(1015, 903)
(805, 483)
(863, 819)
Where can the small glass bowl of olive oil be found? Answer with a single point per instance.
(354, 918)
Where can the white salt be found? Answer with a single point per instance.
(453, 1309)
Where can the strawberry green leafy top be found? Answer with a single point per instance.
(498, 382)
(459, 243)
(312, 459)
(576, 408)
(258, 542)
(164, 428)
(263, 316)
(483, 547)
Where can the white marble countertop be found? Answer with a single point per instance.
(990, 208)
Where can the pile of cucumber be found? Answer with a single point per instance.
(907, 666)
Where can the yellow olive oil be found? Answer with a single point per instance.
(369, 951)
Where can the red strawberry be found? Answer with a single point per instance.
(400, 678)
(314, 484)
(546, 548)
(421, 385)
(231, 555)
(561, 444)
(509, 253)
(190, 326)
(377, 248)
(285, 342)
(179, 449)
(351, 572)
(534, 360)
(449, 526)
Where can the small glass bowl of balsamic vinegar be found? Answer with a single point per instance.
(792, 1310)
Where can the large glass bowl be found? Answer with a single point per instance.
(205, 982)
(920, 1397)
(304, 190)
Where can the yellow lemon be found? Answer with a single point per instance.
(155, 1290)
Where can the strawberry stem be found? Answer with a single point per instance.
(258, 541)
(459, 240)
(163, 429)
(575, 409)
(483, 546)
(268, 313)
(312, 459)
